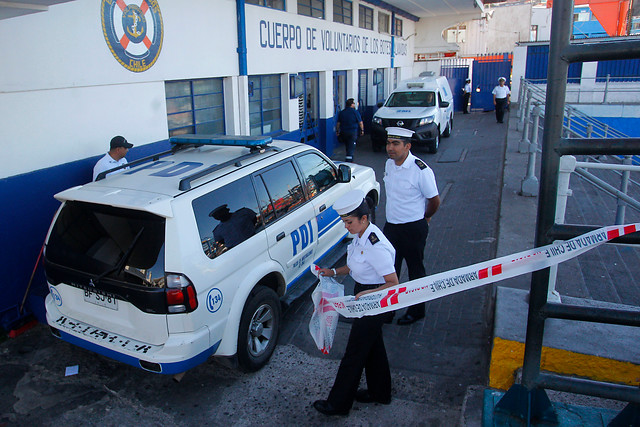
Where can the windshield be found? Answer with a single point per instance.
(108, 242)
(412, 99)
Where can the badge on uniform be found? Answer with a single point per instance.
(420, 164)
(373, 238)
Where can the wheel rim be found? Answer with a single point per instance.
(260, 330)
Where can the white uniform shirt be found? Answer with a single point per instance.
(106, 163)
(370, 257)
(407, 188)
(467, 88)
(501, 91)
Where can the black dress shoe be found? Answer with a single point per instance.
(363, 396)
(324, 407)
(408, 319)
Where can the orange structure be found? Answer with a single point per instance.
(613, 15)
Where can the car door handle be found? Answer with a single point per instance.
(280, 236)
(323, 207)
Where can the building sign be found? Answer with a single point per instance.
(133, 32)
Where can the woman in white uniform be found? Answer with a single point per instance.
(370, 261)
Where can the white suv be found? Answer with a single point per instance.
(186, 254)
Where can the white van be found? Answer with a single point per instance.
(424, 105)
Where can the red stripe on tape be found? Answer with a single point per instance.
(394, 298)
(384, 301)
(613, 234)
(484, 273)
(496, 269)
(630, 229)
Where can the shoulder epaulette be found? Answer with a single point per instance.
(420, 164)
(373, 238)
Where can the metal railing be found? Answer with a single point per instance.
(528, 401)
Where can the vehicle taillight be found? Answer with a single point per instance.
(180, 294)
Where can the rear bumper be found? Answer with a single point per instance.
(179, 353)
(424, 135)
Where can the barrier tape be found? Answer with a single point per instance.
(469, 277)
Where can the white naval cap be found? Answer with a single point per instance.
(395, 132)
(349, 202)
(502, 78)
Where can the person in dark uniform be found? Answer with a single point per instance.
(370, 261)
(412, 199)
(501, 99)
(234, 227)
(466, 96)
(348, 127)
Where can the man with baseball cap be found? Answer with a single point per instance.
(412, 199)
(114, 158)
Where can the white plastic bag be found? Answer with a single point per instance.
(324, 319)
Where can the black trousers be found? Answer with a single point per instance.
(465, 103)
(409, 240)
(349, 139)
(501, 105)
(365, 351)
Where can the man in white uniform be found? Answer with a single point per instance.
(114, 158)
(501, 98)
(412, 199)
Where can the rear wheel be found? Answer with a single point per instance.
(433, 148)
(259, 328)
(447, 131)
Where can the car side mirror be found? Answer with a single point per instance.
(344, 173)
(380, 104)
(444, 104)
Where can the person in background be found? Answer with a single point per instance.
(348, 127)
(114, 158)
(370, 261)
(501, 98)
(466, 96)
(412, 199)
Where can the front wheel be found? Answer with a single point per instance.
(259, 328)
(448, 129)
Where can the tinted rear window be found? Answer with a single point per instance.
(104, 241)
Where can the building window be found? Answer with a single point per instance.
(533, 35)
(383, 23)
(343, 11)
(195, 106)
(313, 8)
(456, 34)
(366, 18)
(264, 104)
(380, 85)
(273, 4)
(397, 31)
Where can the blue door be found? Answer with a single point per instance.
(486, 72)
(339, 98)
(309, 111)
(456, 74)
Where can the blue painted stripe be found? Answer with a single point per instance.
(306, 270)
(167, 368)
(327, 219)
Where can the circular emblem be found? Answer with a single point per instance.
(57, 299)
(133, 32)
(400, 123)
(214, 300)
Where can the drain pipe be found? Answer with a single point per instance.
(242, 38)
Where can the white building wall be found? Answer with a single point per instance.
(64, 95)
(541, 16)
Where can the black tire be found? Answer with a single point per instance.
(447, 131)
(259, 329)
(433, 147)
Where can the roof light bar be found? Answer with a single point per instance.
(228, 140)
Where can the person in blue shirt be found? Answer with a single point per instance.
(348, 127)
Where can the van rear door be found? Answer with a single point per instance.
(105, 268)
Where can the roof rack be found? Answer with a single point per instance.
(253, 142)
(185, 183)
(151, 158)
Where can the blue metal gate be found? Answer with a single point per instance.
(456, 71)
(486, 71)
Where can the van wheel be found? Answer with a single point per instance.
(447, 131)
(259, 328)
(433, 148)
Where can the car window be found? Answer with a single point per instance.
(227, 217)
(318, 174)
(412, 99)
(264, 201)
(283, 187)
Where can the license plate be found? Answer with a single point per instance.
(102, 299)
